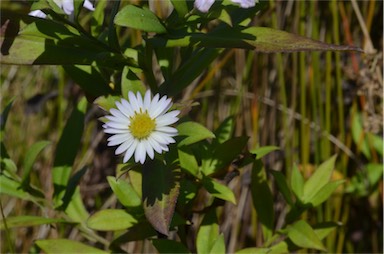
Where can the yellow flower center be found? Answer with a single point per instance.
(141, 125)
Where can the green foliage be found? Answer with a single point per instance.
(121, 48)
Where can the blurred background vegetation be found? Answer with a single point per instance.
(311, 105)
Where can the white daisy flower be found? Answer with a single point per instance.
(140, 126)
(66, 5)
(205, 5)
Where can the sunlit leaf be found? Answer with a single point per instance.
(111, 220)
(66, 246)
(218, 190)
(160, 189)
(302, 234)
(218, 245)
(208, 233)
(130, 83)
(193, 132)
(325, 192)
(323, 229)
(297, 182)
(124, 192)
(188, 161)
(30, 158)
(264, 150)
(319, 178)
(139, 18)
(28, 221)
(225, 130)
(253, 251)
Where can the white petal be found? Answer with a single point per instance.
(155, 145)
(38, 14)
(163, 105)
(117, 113)
(127, 111)
(130, 151)
(245, 3)
(119, 138)
(158, 137)
(203, 5)
(115, 119)
(68, 6)
(133, 102)
(147, 100)
(117, 125)
(149, 149)
(124, 146)
(168, 130)
(139, 100)
(113, 131)
(168, 118)
(88, 5)
(128, 108)
(140, 153)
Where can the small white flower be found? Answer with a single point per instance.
(205, 5)
(66, 5)
(140, 126)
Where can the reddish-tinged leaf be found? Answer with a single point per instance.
(160, 191)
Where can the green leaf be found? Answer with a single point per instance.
(253, 251)
(67, 149)
(208, 233)
(218, 245)
(377, 142)
(160, 189)
(218, 190)
(374, 172)
(98, 18)
(66, 246)
(359, 136)
(194, 132)
(181, 7)
(262, 151)
(131, 83)
(324, 193)
(260, 39)
(188, 161)
(141, 231)
(323, 229)
(89, 79)
(169, 246)
(318, 179)
(28, 221)
(302, 235)
(111, 220)
(30, 158)
(12, 188)
(297, 182)
(139, 18)
(124, 192)
(107, 102)
(225, 130)
(283, 186)
(262, 197)
(75, 208)
(223, 155)
(4, 116)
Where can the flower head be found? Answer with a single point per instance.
(66, 5)
(140, 126)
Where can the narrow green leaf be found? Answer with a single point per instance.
(262, 151)
(377, 142)
(324, 193)
(28, 221)
(374, 172)
(111, 220)
(297, 182)
(319, 178)
(75, 209)
(98, 18)
(160, 189)
(12, 188)
(302, 234)
(124, 192)
(169, 246)
(188, 161)
(218, 190)
(208, 233)
(67, 149)
(262, 197)
(359, 136)
(283, 186)
(66, 246)
(139, 18)
(194, 132)
(30, 158)
(4, 116)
